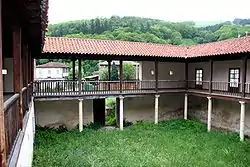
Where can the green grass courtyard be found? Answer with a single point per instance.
(176, 143)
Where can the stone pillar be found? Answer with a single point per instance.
(80, 115)
(185, 106)
(156, 108)
(242, 119)
(209, 113)
(121, 113)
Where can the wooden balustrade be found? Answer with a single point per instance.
(66, 87)
(11, 115)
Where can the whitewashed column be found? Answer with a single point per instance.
(209, 113)
(121, 113)
(185, 106)
(80, 115)
(242, 119)
(156, 108)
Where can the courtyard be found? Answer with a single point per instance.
(170, 143)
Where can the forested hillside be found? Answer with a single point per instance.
(145, 30)
(149, 30)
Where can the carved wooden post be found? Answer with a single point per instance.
(211, 76)
(109, 73)
(120, 72)
(186, 75)
(79, 76)
(17, 68)
(74, 73)
(156, 76)
(3, 156)
(244, 72)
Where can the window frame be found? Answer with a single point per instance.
(199, 82)
(229, 78)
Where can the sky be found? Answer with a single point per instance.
(168, 10)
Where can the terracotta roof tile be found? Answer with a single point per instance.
(113, 47)
(53, 65)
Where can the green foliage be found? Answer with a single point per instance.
(170, 143)
(110, 119)
(104, 74)
(114, 72)
(138, 29)
(128, 72)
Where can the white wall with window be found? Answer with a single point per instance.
(51, 73)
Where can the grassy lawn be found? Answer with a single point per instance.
(173, 143)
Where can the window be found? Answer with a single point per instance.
(198, 76)
(49, 73)
(234, 77)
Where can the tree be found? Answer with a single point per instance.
(114, 72)
(104, 75)
(128, 72)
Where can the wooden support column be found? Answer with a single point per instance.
(109, 73)
(120, 73)
(156, 108)
(3, 156)
(156, 76)
(209, 114)
(74, 73)
(244, 74)
(17, 69)
(186, 75)
(242, 119)
(79, 76)
(211, 76)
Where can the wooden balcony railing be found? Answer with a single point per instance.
(46, 88)
(66, 87)
(11, 115)
(217, 87)
(12, 121)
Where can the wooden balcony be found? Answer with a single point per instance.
(45, 88)
(70, 89)
(13, 117)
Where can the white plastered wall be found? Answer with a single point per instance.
(8, 78)
(142, 108)
(57, 113)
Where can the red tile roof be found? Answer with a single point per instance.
(53, 65)
(231, 46)
(113, 47)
